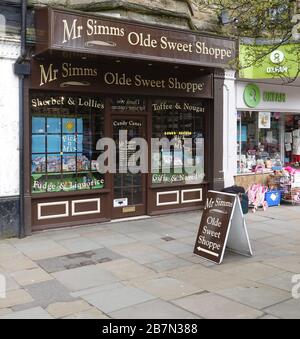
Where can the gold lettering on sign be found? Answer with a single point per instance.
(94, 29)
(122, 79)
(49, 75)
(71, 33)
(66, 70)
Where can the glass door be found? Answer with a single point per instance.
(129, 189)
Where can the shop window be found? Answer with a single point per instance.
(182, 123)
(65, 131)
(259, 140)
(292, 140)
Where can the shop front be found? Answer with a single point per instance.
(268, 126)
(112, 105)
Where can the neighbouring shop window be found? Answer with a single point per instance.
(292, 139)
(65, 130)
(259, 140)
(178, 121)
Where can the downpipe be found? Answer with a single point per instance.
(22, 69)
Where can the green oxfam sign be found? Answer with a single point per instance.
(258, 63)
(252, 95)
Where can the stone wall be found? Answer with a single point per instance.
(174, 13)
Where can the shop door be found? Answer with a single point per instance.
(129, 190)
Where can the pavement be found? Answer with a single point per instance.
(147, 269)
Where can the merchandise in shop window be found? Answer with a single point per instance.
(178, 120)
(296, 145)
(64, 139)
(276, 146)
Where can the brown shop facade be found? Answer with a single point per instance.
(92, 77)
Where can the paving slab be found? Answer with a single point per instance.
(48, 292)
(141, 253)
(292, 249)
(64, 309)
(208, 279)
(294, 236)
(178, 233)
(270, 228)
(251, 271)
(30, 276)
(176, 247)
(265, 253)
(126, 227)
(277, 240)
(286, 310)
(95, 290)
(125, 269)
(5, 311)
(258, 297)
(91, 313)
(118, 298)
(287, 263)
(109, 238)
(75, 260)
(10, 283)
(269, 317)
(156, 309)
(41, 249)
(59, 234)
(7, 250)
(16, 262)
(189, 240)
(168, 264)
(282, 281)
(145, 236)
(84, 277)
(172, 220)
(76, 245)
(211, 306)
(166, 288)
(32, 313)
(195, 259)
(15, 297)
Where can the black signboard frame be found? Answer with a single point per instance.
(222, 227)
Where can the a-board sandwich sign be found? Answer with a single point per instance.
(222, 226)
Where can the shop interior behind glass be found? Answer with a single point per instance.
(267, 140)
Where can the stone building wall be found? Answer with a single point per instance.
(174, 13)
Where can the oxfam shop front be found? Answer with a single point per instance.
(268, 131)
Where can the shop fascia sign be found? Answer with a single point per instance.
(282, 62)
(86, 77)
(253, 96)
(70, 31)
